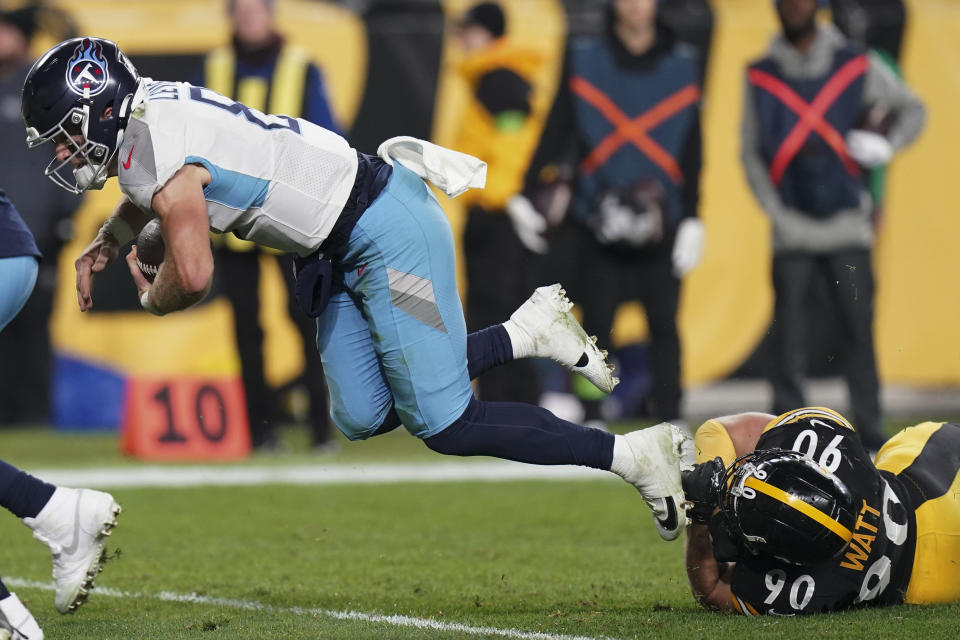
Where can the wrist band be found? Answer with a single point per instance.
(119, 229)
(147, 305)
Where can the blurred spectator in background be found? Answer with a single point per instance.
(498, 127)
(627, 113)
(261, 70)
(25, 352)
(878, 25)
(806, 136)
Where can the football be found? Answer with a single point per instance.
(150, 249)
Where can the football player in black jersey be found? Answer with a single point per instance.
(791, 516)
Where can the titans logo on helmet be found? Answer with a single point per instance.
(87, 69)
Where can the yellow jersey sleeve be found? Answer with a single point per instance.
(712, 440)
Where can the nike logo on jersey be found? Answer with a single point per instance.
(126, 165)
(361, 270)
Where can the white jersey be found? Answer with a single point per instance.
(276, 180)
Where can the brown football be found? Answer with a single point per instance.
(150, 249)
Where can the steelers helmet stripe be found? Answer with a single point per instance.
(808, 412)
(796, 503)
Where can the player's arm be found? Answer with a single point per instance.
(726, 437)
(745, 429)
(709, 578)
(186, 273)
(121, 227)
(730, 437)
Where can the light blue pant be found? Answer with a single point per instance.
(393, 333)
(17, 277)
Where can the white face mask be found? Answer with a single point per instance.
(90, 177)
(93, 174)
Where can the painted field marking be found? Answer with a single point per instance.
(360, 616)
(239, 475)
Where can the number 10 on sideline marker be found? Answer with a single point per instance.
(192, 419)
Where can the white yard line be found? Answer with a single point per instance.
(200, 476)
(361, 616)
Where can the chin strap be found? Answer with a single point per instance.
(127, 105)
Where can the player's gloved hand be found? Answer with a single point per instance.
(16, 622)
(869, 149)
(702, 487)
(616, 222)
(102, 251)
(528, 224)
(688, 246)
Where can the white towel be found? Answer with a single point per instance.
(451, 171)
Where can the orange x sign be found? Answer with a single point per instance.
(636, 129)
(810, 116)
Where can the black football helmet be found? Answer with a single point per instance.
(85, 87)
(780, 504)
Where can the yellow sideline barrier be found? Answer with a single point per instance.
(727, 301)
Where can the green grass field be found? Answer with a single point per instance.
(504, 559)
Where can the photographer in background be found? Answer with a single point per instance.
(805, 147)
(629, 108)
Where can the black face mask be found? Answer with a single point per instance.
(725, 547)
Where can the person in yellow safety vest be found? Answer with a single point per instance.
(260, 69)
(500, 127)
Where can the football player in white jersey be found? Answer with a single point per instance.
(376, 259)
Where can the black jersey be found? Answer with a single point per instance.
(15, 238)
(874, 568)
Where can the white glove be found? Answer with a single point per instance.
(450, 171)
(688, 246)
(869, 149)
(528, 224)
(620, 223)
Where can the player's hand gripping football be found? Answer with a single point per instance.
(102, 251)
(139, 279)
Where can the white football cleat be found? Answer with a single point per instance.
(16, 622)
(554, 333)
(659, 453)
(74, 524)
